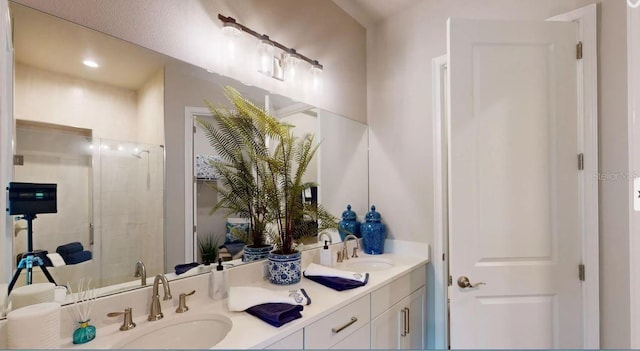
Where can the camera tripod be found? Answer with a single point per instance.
(30, 259)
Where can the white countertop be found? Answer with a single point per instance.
(250, 332)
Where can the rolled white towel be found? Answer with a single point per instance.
(56, 259)
(243, 297)
(324, 271)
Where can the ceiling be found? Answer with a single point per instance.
(52, 44)
(46, 42)
(369, 12)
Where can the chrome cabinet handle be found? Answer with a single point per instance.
(408, 320)
(464, 283)
(405, 321)
(337, 330)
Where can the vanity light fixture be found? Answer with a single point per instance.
(90, 63)
(287, 65)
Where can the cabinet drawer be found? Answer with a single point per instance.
(333, 328)
(390, 294)
(291, 342)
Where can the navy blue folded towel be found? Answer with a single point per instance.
(69, 248)
(337, 283)
(77, 257)
(276, 314)
(181, 268)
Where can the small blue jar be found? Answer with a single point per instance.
(374, 233)
(349, 224)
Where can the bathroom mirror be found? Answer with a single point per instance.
(123, 127)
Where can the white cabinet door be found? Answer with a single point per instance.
(416, 322)
(385, 329)
(401, 326)
(360, 339)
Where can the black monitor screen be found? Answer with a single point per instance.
(32, 198)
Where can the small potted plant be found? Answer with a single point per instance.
(209, 249)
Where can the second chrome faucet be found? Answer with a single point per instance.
(155, 311)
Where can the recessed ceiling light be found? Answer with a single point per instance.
(90, 63)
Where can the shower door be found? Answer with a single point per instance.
(47, 153)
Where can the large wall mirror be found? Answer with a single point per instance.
(116, 140)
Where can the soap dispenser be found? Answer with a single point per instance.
(218, 288)
(325, 255)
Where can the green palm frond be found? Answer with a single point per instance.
(261, 171)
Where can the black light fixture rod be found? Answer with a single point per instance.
(252, 32)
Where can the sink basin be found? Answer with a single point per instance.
(198, 331)
(368, 264)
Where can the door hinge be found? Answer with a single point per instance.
(579, 50)
(194, 228)
(194, 129)
(443, 257)
(580, 162)
(581, 272)
(450, 280)
(18, 160)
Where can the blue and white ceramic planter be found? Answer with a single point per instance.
(285, 269)
(256, 253)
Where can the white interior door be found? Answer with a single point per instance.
(513, 185)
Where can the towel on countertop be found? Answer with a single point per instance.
(244, 297)
(334, 278)
(77, 257)
(182, 268)
(69, 248)
(276, 314)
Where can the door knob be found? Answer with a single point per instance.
(464, 282)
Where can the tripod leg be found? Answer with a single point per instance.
(13, 281)
(46, 273)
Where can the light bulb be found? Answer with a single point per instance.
(265, 56)
(231, 33)
(291, 63)
(316, 77)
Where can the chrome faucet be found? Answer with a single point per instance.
(325, 234)
(141, 272)
(345, 255)
(155, 311)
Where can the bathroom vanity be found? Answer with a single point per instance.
(388, 312)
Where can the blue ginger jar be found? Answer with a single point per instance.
(349, 224)
(373, 233)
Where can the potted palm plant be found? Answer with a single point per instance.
(240, 142)
(293, 218)
(260, 176)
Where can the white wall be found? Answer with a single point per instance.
(189, 30)
(633, 66)
(150, 124)
(6, 132)
(44, 96)
(399, 54)
(306, 124)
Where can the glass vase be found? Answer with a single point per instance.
(85, 333)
